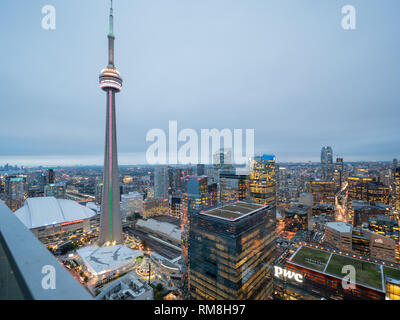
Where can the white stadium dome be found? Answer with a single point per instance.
(46, 211)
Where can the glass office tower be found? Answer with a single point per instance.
(323, 191)
(233, 187)
(397, 189)
(161, 182)
(197, 191)
(230, 251)
(262, 181)
(338, 173)
(326, 163)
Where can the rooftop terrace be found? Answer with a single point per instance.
(234, 211)
(369, 274)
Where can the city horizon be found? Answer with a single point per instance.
(295, 108)
(36, 161)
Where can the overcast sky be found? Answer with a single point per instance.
(285, 68)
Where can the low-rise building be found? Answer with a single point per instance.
(153, 207)
(323, 208)
(161, 230)
(296, 218)
(386, 226)
(339, 235)
(55, 190)
(344, 237)
(128, 287)
(317, 223)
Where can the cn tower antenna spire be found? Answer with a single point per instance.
(111, 38)
(111, 31)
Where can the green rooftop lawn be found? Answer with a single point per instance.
(366, 273)
(391, 272)
(313, 254)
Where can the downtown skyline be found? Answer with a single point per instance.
(200, 150)
(238, 68)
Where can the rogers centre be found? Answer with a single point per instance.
(52, 220)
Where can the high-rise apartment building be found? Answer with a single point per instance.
(326, 163)
(161, 182)
(230, 251)
(175, 204)
(213, 195)
(15, 189)
(338, 173)
(233, 187)
(2, 187)
(99, 193)
(222, 162)
(397, 189)
(51, 176)
(393, 168)
(197, 192)
(43, 180)
(262, 180)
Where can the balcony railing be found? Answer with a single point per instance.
(28, 270)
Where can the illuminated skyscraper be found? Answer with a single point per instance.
(394, 167)
(99, 193)
(323, 191)
(15, 192)
(326, 163)
(222, 162)
(262, 181)
(197, 192)
(397, 189)
(234, 186)
(52, 178)
(366, 189)
(161, 182)
(338, 173)
(110, 82)
(229, 252)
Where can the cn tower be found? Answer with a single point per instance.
(110, 82)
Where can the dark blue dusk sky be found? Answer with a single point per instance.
(285, 68)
